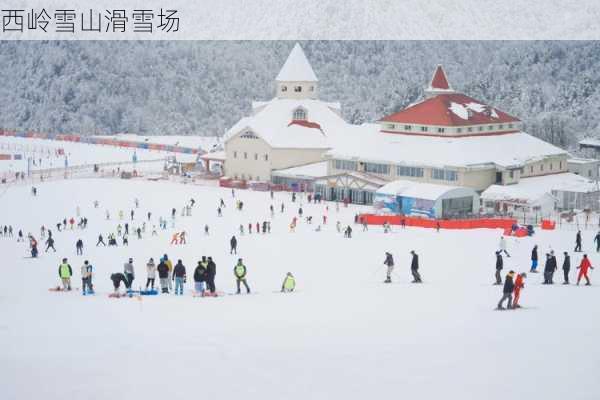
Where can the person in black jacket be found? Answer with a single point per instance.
(179, 276)
(389, 262)
(578, 241)
(117, 278)
(233, 243)
(163, 275)
(534, 259)
(200, 277)
(499, 267)
(507, 292)
(414, 267)
(50, 244)
(549, 269)
(597, 240)
(566, 268)
(79, 247)
(211, 273)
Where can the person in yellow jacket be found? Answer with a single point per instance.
(170, 266)
(289, 283)
(240, 274)
(65, 272)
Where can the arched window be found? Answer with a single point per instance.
(299, 114)
(283, 88)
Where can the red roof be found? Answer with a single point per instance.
(436, 111)
(439, 80)
(306, 124)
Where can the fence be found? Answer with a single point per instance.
(491, 223)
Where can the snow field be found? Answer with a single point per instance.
(343, 334)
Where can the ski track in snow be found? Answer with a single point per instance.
(344, 334)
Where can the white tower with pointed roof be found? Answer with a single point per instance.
(296, 80)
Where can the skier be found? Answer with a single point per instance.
(20, 236)
(179, 276)
(86, 278)
(241, 229)
(566, 268)
(163, 276)
(211, 273)
(583, 270)
(578, 242)
(182, 237)
(65, 272)
(79, 247)
(240, 274)
(200, 277)
(503, 246)
(132, 213)
(300, 212)
(126, 228)
(549, 268)
(170, 266)
(250, 228)
(519, 284)
(499, 266)
(100, 240)
(534, 259)
(222, 203)
(414, 267)
(125, 240)
(219, 212)
(139, 232)
(50, 244)
(175, 238)
(206, 229)
(507, 291)
(282, 207)
(389, 262)
(597, 240)
(33, 247)
(233, 244)
(151, 269)
(129, 272)
(117, 278)
(149, 215)
(289, 283)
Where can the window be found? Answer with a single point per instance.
(589, 172)
(531, 169)
(444, 174)
(550, 166)
(383, 169)
(297, 89)
(511, 174)
(500, 126)
(390, 126)
(481, 129)
(300, 114)
(284, 88)
(245, 156)
(235, 154)
(255, 156)
(458, 130)
(560, 165)
(312, 89)
(440, 130)
(266, 157)
(248, 135)
(522, 171)
(510, 126)
(407, 127)
(490, 127)
(345, 165)
(470, 129)
(424, 129)
(409, 171)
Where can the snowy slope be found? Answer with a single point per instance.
(343, 334)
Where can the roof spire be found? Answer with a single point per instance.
(296, 68)
(439, 83)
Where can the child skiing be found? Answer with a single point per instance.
(65, 272)
(519, 284)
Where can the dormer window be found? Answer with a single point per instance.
(297, 89)
(284, 88)
(299, 114)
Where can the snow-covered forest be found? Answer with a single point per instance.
(203, 88)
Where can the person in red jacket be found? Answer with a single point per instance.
(519, 284)
(583, 270)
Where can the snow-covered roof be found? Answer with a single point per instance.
(590, 142)
(450, 109)
(309, 171)
(582, 160)
(215, 155)
(274, 123)
(532, 190)
(420, 190)
(367, 143)
(296, 68)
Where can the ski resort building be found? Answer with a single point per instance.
(448, 139)
(294, 128)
